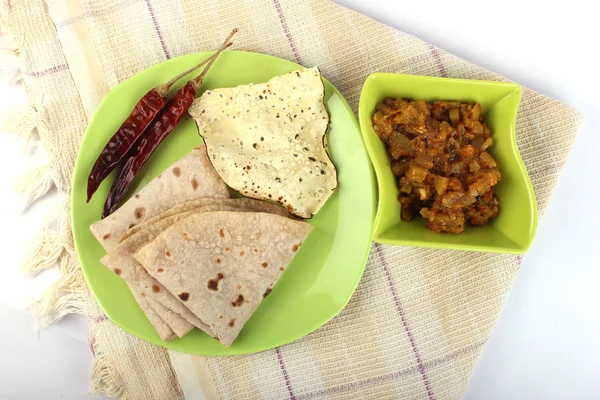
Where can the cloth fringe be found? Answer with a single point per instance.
(50, 246)
(10, 63)
(34, 184)
(63, 297)
(102, 379)
(44, 252)
(20, 121)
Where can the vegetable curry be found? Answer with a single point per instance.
(438, 152)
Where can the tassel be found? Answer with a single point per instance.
(102, 378)
(10, 63)
(64, 297)
(46, 247)
(35, 183)
(20, 121)
(43, 254)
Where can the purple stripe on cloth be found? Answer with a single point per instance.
(48, 71)
(286, 376)
(377, 380)
(287, 32)
(455, 354)
(402, 315)
(100, 318)
(393, 375)
(438, 59)
(157, 28)
(70, 21)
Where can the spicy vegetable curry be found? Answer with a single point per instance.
(439, 155)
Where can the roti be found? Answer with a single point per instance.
(162, 328)
(190, 178)
(222, 264)
(120, 259)
(267, 141)
(241, 204)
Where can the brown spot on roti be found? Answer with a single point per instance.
(186, 237)
(265, 264)
(267, 292)
(137, 196)
(242, 253)
(213, 284)
(218, 261)
(231, 323)
(177, 171)
(296, 247)
(227, 248)
(139, 212)
(220, 317)
(159, 176)
(160, 270)
(238, 301)
(194, 184)
(168, 253)
(184, 296)
(155, 288)
(143, 294)
(239, 286)
(130, 226)
(107, 236)
(220, 275)
(281, 268)
(222, 232)
(118, 271)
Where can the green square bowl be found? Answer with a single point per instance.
(514, 228)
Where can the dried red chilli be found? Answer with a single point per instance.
(132, 129)
(167, 119)
(165, 122)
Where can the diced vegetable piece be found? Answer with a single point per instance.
(441, 184)
(474, 166)
(416, 173)
(400, 145)
(487, 160)
(467, 151)
(454, 184)
(405, 185)
(488, 142)
(477, 127)
(454, 115)
(424, 160)
(400, 166)
(478, 142)
(486, 178)
(457, 199)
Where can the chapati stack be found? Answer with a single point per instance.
(192, 256)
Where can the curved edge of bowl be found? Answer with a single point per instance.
(377, 230)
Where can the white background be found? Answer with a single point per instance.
(547, 341)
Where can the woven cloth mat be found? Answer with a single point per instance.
(419, 318)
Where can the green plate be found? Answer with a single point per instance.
(323, 274)
(514, 229)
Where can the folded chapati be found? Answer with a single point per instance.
(267, 140)
(162, 328)
(243, 205)
(190, 178)
(222, 264)
(120, 259)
